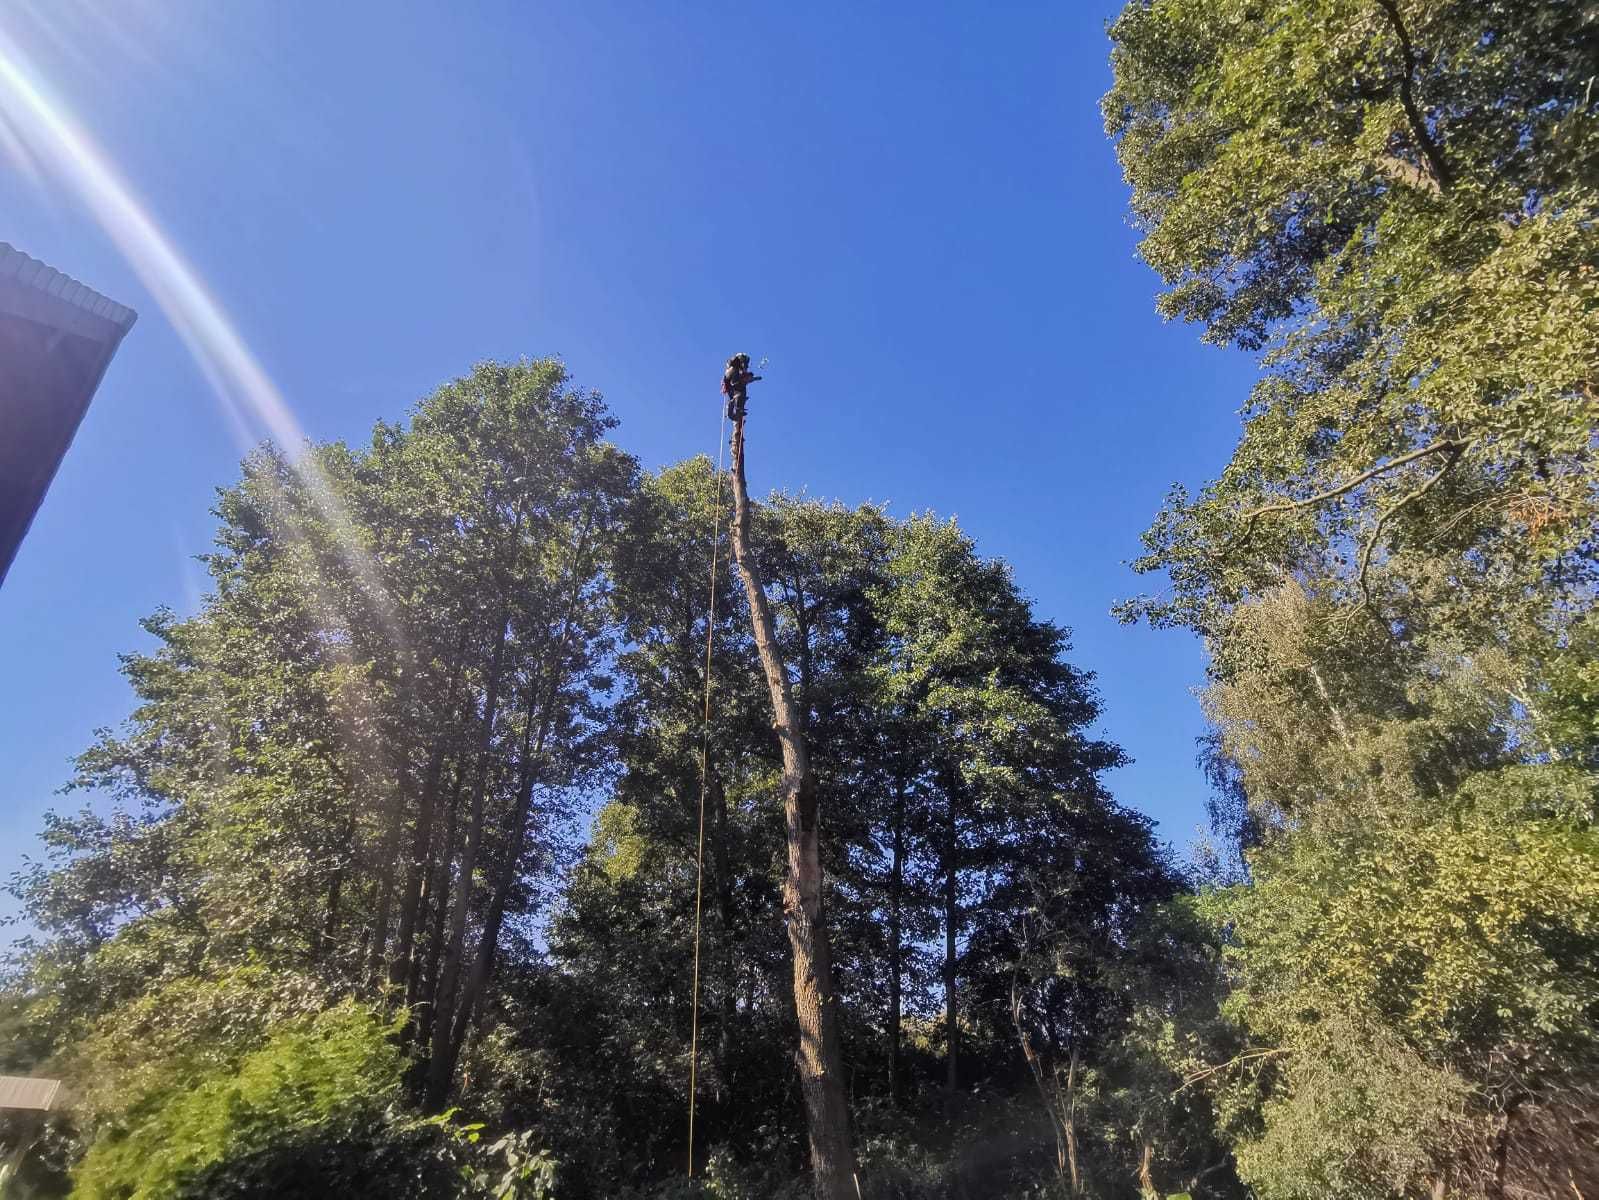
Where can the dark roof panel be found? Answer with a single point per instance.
(57, 337)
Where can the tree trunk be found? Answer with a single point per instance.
(389, 849)
(819, 1056)
(896, 887)
(532, 756)
(951, 931)
(423, 985)
(324, 942)
(1069, 1119)
(1501, 1152)
(442, 1063)
(1146, 1175)
(724, 905)
(330, 922)
(1035, 1068)
(533, 749)
(400, 966)
(494, 917)
(416, 867)
(1061, 1110)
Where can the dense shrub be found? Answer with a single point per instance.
(312, 1112)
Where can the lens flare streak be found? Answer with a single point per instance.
(43, 135)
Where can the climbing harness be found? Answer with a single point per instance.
(736, 380)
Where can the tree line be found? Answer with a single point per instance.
(363, 769)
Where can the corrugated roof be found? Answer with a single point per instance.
(26, 270)
(19, 1091)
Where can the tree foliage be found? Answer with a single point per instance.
(1394, 201)
(418, 871)
(446, 759)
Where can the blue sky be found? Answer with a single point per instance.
(912, 212)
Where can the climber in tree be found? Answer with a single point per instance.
(735, 384)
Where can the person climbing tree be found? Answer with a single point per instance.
(736, 380)
(818, 1056)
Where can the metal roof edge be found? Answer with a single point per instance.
(30, 272)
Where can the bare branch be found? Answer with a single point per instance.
(1408, 498)
(1460, 516)
(1260, 1055)
(1450, 446)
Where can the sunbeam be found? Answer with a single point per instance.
(46, 137)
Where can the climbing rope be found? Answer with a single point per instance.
(705, 775)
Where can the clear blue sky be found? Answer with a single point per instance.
(911, 210)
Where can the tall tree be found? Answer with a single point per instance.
(993, 716)
(1395, 200)
(819, 1055)
(358, 721)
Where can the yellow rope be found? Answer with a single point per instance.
(705, 760)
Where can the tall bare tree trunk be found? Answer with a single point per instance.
(819, 1057)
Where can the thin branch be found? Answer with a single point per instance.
(1193, 1182)
(1408, 498)
(1445, 447)
(1262, 1055)
(1407, 97)
(1460, 516)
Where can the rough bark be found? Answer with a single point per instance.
(818, 1056)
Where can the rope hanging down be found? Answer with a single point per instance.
(705, 774)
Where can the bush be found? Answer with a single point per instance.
(312, 1112)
